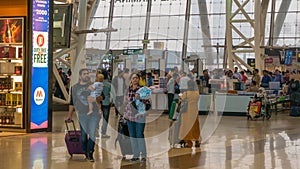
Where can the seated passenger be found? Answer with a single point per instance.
(261, 95)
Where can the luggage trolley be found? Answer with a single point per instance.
(258, 108)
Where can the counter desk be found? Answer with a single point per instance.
(159, 101)
(235, 105)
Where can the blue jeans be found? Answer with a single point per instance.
(137, 139)
(105, 110)
(88, 128)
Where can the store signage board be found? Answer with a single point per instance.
(251, 62)
(133, 51)
(40, 66)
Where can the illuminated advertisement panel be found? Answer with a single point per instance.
(40, 64)
(288, 57)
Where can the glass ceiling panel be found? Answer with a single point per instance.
(167, 24)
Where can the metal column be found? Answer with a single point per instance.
(259, 62)
(147, 24)
(271, 33)
(81, 26)
(249, 44)
(186, 30)
(110, 20)
(205, 31)
(229, 34)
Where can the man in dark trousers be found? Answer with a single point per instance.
(105, 104)
(88, 122)
(119, 89)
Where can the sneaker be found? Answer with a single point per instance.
(90, 157)
(105, 136)
(134, 160)
(143, 160)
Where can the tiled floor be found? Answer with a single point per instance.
(236, 143)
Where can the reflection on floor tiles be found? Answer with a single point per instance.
(5, 134)
(236, 143)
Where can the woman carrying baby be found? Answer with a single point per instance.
(136, 121)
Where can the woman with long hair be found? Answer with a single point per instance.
(136, 121)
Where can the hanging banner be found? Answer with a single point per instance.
(40, 64)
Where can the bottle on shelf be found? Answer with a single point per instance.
(12, 118)
(1, 118)
(4, 117)
(5, 83)
(1, 84)
(8, 34)
(2, 96)
(7, 118)
(8, 83)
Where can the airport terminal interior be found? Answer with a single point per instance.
(222, 78)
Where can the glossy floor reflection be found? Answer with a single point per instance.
(237, 143)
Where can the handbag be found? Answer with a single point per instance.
(176, 88)
(133, 107)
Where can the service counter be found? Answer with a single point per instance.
(235, 105)
(159, 101)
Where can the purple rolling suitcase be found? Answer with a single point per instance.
(73, 140)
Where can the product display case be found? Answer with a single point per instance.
(26, 39)
(11, 72)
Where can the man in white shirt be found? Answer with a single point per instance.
(171, 89)
(237, 75)
(183, 82)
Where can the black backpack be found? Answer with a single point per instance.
(176, 88)
(294, 86)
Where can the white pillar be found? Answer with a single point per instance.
(82, 13)
(229, 34)
(259, 61)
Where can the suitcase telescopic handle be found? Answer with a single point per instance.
(67, 126)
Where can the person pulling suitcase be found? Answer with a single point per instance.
(88, 122)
